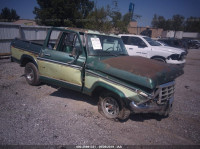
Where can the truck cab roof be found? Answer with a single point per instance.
(88, 31)
(131, 35)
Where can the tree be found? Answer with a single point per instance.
(116, 17)
(158, 22)
(63, 12)
(82, 14)
(154, 21)
(161, 22)
(177, 22)
(168, 25)
(8, 15)
(119, 22)
(192, 24)
(99, 20)
(126, 20)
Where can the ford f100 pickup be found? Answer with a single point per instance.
(98, 65)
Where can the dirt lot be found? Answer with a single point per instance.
(48, 115)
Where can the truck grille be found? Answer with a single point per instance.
(165, 92)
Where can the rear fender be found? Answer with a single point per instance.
(27, 58)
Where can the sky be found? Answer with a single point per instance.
(145, 8)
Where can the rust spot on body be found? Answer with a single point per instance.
(137, 65)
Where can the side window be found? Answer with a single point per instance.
(136, 41)
(125, 39)
(77, 46)
(66, 42)
(63, 41)
(54, 39)
(133, 41)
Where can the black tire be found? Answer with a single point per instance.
(11, 59)
(31, 74)
(196, 47)
(159, 59)
(111, 107)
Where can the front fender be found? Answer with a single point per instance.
(109, 88)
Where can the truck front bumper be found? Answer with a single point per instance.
(170, 61)
(163, 109)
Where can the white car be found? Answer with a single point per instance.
(138, 45)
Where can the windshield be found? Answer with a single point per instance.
(105, 45)
(152, 42)
(161, 42)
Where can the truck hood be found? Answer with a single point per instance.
(168, 49)
(137, 70)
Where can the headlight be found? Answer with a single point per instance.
(144, 95)
(141, 93)
(174, 57)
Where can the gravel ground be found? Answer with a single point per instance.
(48, 115)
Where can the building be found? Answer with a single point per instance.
(134, 29)
(25, 22)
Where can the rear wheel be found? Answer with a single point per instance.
(111, 107)
(196, 47)
(31, 74)
(11, 59)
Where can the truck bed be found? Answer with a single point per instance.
(26, 45)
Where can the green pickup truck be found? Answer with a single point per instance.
(98, 65)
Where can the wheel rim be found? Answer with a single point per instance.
(110, 107)
(29, 74)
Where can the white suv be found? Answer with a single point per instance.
(137, 45)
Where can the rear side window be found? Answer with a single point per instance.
(125, 39)
(135, 41)
(64, 41)
(128, 40)
(54, 39)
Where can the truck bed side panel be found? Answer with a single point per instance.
(26, 46)
(20, 48)
(18, 53)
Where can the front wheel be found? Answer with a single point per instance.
(159, 59)
(31, 74)
(111, 107)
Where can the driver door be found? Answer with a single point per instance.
(137, 46)
(60, 63)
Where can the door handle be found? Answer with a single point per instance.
(46, 54)
(130, 48)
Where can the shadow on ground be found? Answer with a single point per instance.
(67, 93)
(73, 95)
(146, 116)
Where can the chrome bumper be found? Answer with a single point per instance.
(152, 108)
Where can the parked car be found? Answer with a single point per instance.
(138, 45)
(147, 33)
(162, 43)
(177, 43)
(165, 44)
(194, 44)
(97, 64)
